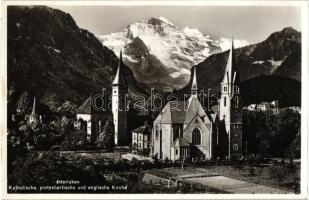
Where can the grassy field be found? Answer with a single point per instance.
(281, 177)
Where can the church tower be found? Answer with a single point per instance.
(230, 106)
(119, 90)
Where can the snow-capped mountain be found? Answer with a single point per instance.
(161, 54)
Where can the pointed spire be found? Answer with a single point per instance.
(228, 74)
(119, 78)
(194, 84)
(33, 113)
(194, 88)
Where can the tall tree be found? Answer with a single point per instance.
(106, 137)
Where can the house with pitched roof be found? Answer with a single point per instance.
(141, 137)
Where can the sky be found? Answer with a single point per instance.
(252, 23)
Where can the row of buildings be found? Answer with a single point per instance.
(183, 128)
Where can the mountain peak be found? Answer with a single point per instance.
(160, 21)
(289, 29)
(286, 33)
(160, 53)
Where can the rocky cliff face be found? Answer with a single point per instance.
(279, 54)
(50, 57)
(161, 54)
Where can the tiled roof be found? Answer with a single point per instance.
(181, 111)
(178, 114)
(141, 129)
(173, 112)
(85, 108)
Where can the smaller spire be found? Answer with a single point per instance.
(33, 113)
(228, 74)
(194, 88)
(119, 78)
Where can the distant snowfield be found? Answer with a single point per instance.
(275, 64)
(225, 43)
(166, 48)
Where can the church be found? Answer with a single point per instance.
(185, 130)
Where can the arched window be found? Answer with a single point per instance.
(196, 137)
(224, 101)
(236, 102)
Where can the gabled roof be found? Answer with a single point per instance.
(181, 142)
(181, 112)
(178, 114)
(85, 108)
(194, 108)
(88, 108)
(173, 112)
(142, 129)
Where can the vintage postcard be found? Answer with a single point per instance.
(154, 99)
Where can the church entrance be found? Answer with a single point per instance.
(196, 136)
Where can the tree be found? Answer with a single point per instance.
(67, 130)
(67, 109)
(288, 129)
(271, 135)
(24, 103)
(295, 148)
(106, 137)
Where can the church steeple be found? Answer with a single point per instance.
(119, 77)
(33, 113)
(229, 75)
(32, 118)
(119, 105)
(194, 88)
(230, 110)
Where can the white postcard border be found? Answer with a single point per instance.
(304, 105)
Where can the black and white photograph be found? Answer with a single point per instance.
(165, 98)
